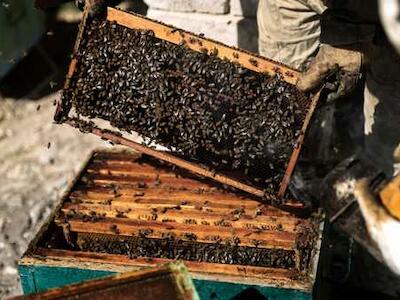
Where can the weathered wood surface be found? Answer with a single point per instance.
(38, 278)
(198, 270)
(129, 195)
(164, 190)
(195, 42)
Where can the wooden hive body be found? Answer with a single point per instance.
(121, 201)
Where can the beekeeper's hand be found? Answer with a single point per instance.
(345, 62)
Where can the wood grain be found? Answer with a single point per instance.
(197, 43)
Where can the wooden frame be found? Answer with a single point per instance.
(198, 203)
(198, 43)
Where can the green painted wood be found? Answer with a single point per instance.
(217, 290)
(38, 278)
(27, 279)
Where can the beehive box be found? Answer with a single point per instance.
(170, 281)
(110, 96)
(126, 211)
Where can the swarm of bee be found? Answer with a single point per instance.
(203, 107)
(173, 248)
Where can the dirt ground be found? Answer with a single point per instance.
(37, 160)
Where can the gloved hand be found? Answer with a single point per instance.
(329, 60)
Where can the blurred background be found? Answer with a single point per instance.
(38, 158)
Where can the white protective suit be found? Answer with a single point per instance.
(294, 31)
(290, 32)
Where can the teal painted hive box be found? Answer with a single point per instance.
(125, 212)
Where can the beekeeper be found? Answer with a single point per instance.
(349, 38)
(343, 35)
